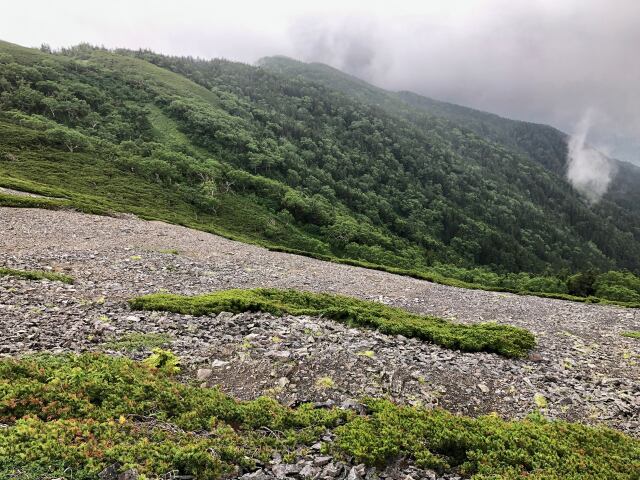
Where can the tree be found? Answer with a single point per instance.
(66, 137)
(582, 284)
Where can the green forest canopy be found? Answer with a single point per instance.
(303, 157)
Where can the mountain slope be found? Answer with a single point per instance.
(541, 143)
(558, 201)
(272, 157)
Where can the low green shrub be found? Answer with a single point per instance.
(35, 275)
(489, 447)
(163, 360)
(63, 413)
(488, 337)
(91, 411)
(581, 284)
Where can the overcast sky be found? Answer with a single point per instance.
(548, 61)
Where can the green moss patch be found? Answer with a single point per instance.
(631, 335)
(487, 337)
(35, 275)
(85, 413)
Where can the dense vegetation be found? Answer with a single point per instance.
(325, 165)
(35, 275)
(86, 413)
(488, 337)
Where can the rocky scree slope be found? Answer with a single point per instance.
(582, 369)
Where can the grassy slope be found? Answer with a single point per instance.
(104, 188)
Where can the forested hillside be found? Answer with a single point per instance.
(541, 143)
(306, 158)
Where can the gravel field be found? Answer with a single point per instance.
(582, 368)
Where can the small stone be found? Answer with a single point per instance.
(109, 473)
(203, 373)
(331, 470)
(321, 461)
(218, 363)
(308, 471)
(483, 388)
(131, 474)
(257, 475)
(354, 474)
(279, 354)
(351, 404)
(283, 382)
(536, 357)
(282, 470)
(279, 470)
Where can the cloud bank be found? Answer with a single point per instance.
(540, 61)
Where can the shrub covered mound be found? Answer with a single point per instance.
(489, 447)
(89, 412)
(85, 413)
(35, 275)
(488, 337)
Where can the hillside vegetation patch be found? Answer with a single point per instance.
(311, 161)
(35, 275)
(85, 413)
(483, 337)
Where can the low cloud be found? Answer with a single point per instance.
(543, 61)
(589, 171)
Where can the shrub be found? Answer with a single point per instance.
(65, 413)
(618, 286)
(581, 284)
(489, 447)
(88, 412)
(618, 293)
(163, 360)
(68, 138)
